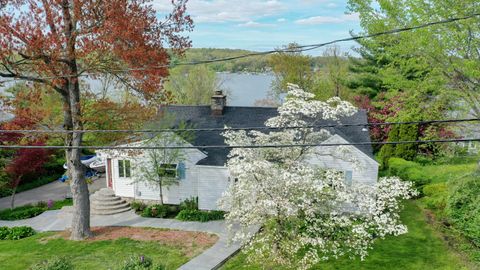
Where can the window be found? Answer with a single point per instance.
(168, 170)
(124, 168)
(348, 178)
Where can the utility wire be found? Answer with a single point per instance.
(203, 147)
(236, 128)
(300, 48)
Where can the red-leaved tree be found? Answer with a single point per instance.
(25, 162)
(55, 42)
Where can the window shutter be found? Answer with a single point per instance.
(348, 178)
(181, 170)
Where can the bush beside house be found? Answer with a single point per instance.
(185, 211)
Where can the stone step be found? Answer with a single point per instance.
(110, 207)
(114, 202)
(109, 212)
(104, 202)
(105, 192)
(95, 197)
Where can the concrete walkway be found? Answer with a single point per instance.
(53, 191)
(212, 258)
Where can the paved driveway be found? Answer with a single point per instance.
(53, 191)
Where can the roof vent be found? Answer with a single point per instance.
(219, 101)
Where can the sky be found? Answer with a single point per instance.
(264, 25)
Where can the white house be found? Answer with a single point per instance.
(203, 174)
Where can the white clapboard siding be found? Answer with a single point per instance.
(365, 173)
(212, 183)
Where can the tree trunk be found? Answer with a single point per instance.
(12, 199)
(72, 121)
(14, 192)
(161, 192)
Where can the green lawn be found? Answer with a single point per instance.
(98, 255)
(421, 248)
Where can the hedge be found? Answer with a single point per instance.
(198, 215)
(463, 207)
(29, 211)
(409, 171)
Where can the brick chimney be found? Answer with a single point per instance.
(219, 101)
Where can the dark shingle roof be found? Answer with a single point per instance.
(201, 117)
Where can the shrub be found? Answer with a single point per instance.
(22, 212)
(189, 204)
(172, 210)
(4, 233)
(422, 160)
(155, 210)
(29, 211)
(15, 233)
(198, 215)
(435, 196)
(410, 171)
(463, 207)
(138, 206)
(137, 262)
(140, 262)
(42, 204)
(54, 264)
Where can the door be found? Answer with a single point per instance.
(109, 173)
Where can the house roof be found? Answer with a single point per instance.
(201, 117)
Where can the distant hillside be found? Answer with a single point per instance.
(248, 64)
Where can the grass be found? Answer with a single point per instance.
(421, 248)
(445, 172)
(108, 254)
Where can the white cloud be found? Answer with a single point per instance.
(254, 24)
(281, 20)
(225, 10)
(332, 5)
(328, 19)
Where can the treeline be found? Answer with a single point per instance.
(256, 64)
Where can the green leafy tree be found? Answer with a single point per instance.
(192, 85)
(446, 56)
(162, 167)
(331, 78)
(291, 67)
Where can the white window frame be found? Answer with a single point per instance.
(175, 168)
(127, 172)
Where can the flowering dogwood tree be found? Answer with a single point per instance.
(307, 213)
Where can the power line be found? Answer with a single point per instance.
(300, 48)
(62, 131)
(232, 146)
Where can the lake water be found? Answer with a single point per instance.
(243, 89)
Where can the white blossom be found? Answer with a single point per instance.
(307, 214)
